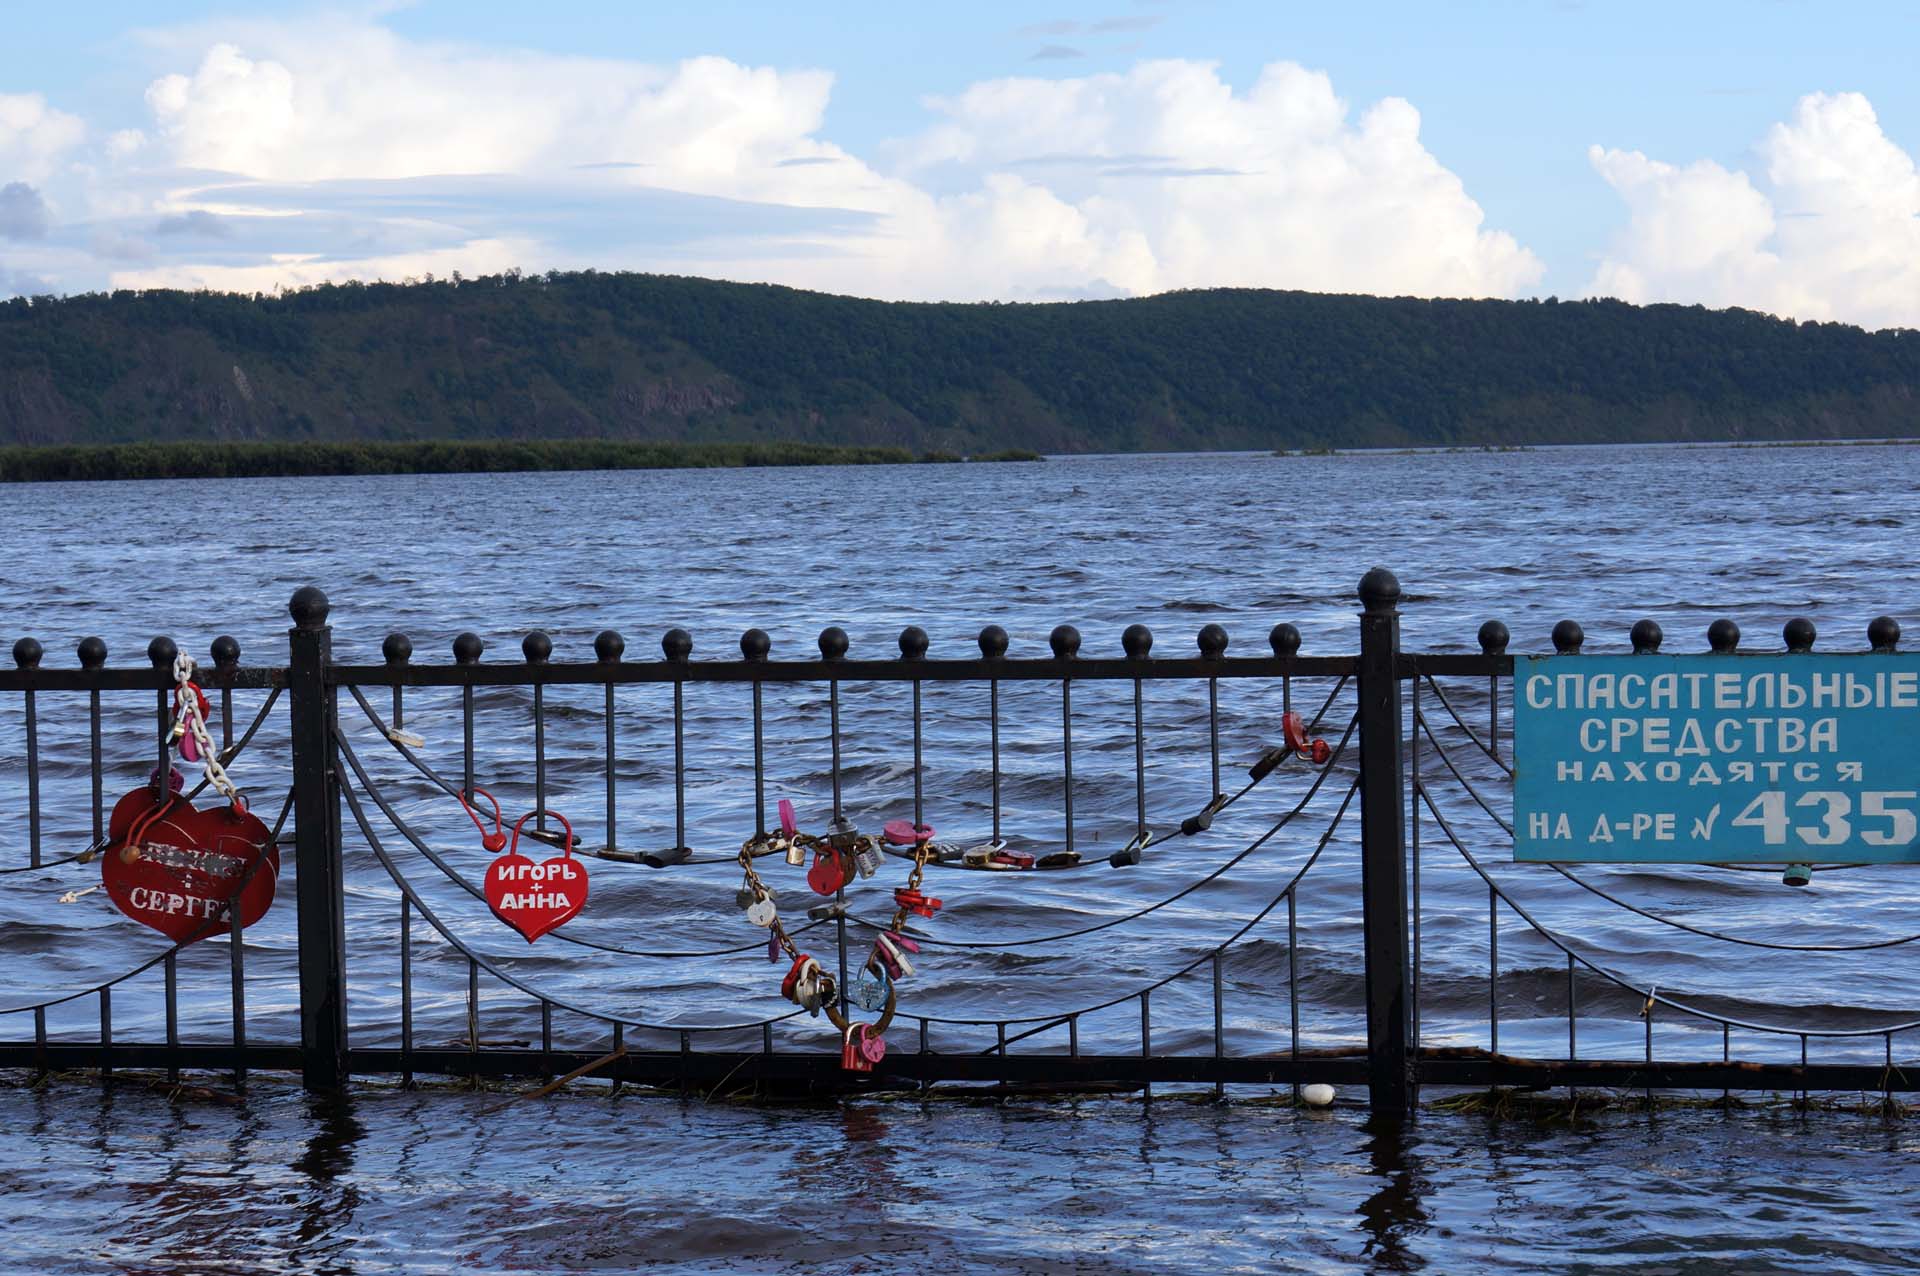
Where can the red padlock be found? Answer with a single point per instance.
(492, 840)
(914, 902)
(1298, 742)
(1011, 859)
(828, 873)
(794, 973)
(856, 1054)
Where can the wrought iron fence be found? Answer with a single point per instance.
(1390, 821)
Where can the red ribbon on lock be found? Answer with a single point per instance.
(536, 898)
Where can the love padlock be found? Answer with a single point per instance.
(914, 902)
(861, 1049)
(890, 951)
(871, 987)
(802, 977)
(1298, 742)
(906, 832)
(867, 859)
(762, 913)
(828, 874)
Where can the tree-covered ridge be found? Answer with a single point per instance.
(661, 358)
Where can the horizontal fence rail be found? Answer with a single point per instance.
(1281, 870)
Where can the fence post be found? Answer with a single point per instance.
(316, 811)
(1383, 868)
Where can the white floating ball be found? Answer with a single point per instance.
(1317, 1095)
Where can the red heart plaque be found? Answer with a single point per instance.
(534, 898)
(177, 868)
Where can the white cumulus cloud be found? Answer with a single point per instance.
(1829, 230)
(1164, 176)
(34, 136)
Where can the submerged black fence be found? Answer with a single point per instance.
(1381, 772)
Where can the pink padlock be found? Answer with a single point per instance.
(873, 1046)
(788, 824)
(906, 832)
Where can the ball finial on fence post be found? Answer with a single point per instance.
(537, 647)
(467, 648)
(676, 645)
(92, 652)
(1883, 633)
(1494, 638)
(1799, 634)
(913, 643)
(161, 652)
(1568, 637)
(225, 652)
(1379, 590)
(1065, 641)
(1723, 635)
(755, 644)
(1645, 637)
(27, 653)
(833, 642)
(396, 649)
(1137, 641)
(1284, 639)
(1213, 642)
(309, 607)
(993, 642)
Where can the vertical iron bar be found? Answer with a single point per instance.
(1213, 731)
(1726, 1056)
(1413, 835)
(1493, 969)
(993, 712)
(1066, 741)
(540, 756)
(319, 891)
(1073, 1037)
(406, 989)
(1293, 993)
(1383, 871)
(466, 740)
(546, 1036)
(679, 763)
(1219, 1026)
(1140, 761)
(473, 1007)
(1573, 1040)
(833, 728)
(399, 707)
(1493, 715)
(619, 1040)
(1803, 1068)
(172, 972)
(1146, 1037)
(1650, 1005)
(106, 1030)
(923, 1034)
(95, 765)
(918, 778)
(226, 718)
(613, 836)
(766, 1037)
(33, 829)
(165, 754)
(237, 985)
(759, 765)
(686, 1059)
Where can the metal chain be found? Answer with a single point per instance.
(189, 720)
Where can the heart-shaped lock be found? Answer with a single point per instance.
(762, 913)
(828, 874)
(535, 898)
(851, 1057)
(179, 868)
(906, 832)
(871, 1045)
(872, 987)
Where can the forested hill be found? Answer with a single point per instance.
(651, 357)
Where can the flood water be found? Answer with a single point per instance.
(122, 1179)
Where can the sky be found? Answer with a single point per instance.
(1758, 154)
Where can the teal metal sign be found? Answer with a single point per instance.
(1708, 759)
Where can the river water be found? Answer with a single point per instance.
(452, 1181)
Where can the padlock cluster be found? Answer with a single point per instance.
(840, 855)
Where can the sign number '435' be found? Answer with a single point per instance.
(1717, 758)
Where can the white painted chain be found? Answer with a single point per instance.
(189, 720)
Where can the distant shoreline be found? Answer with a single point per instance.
(195, 460)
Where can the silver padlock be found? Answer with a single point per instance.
(868, 859)
(762, 913)
(796, 854)
(745, 897)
